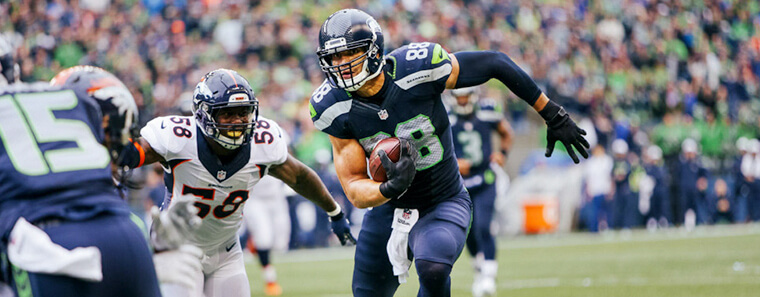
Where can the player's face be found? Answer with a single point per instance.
(463, 100)
(234, 115)
(347, 56)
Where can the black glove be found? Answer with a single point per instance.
(401, 173)
(562, 128)
(339, 226)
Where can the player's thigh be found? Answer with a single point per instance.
(127, 264)
(229, 279)
(439, 236)
(373, 273)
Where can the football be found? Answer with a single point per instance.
(392, 147)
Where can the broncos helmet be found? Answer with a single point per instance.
(220, 89)
(469, 106)
(116, 103)
(351, 29)
(9, 69)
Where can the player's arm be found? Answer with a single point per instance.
(473, 68)
(504, 129)
(139, 153)
(351, 167)
(306, 182)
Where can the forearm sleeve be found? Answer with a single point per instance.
(132, 155)
(477, 67)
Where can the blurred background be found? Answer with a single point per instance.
(669, 92)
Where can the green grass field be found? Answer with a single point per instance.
(709, 261)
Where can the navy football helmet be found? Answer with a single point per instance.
(469, 106)
(348, 30)
(116, 102)
(221, 89)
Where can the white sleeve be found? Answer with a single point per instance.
(274, 152)
(159, 133)
(152, 133)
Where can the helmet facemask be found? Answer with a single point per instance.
(229, 136)
(335, 72)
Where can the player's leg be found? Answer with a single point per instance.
(126, 261)
(228, 278)
(483, 207)
(373, 273)
(259, 220)
(436, 242)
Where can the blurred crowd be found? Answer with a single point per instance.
(648, 72)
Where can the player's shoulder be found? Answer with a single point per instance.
(489, 110)
(327, 103)
(34, 87)
(170, 134)
(418, 63)
(270, 143)
(326, 96)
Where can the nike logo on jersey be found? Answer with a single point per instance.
(230, 247)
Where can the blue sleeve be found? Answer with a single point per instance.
(477, 67)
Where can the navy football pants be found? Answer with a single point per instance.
(435, 243)
(480, 238)
(126, 261)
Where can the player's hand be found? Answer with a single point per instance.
(401, 173)
(339, 225)
(180, 266)
(562, 128)
(173, 226)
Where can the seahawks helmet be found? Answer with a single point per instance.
(116, 102)
(218, 90)
(346, 30)
(469, 106)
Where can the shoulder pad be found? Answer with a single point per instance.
(160, 134)
(270, 145)
(419, 63)
(328, 109)
(489, 111)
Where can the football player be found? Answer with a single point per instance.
(218, 155)
(267, 219)
(472, 123)
(369, 96)
(64, 230)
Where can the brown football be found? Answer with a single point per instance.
(392, 147)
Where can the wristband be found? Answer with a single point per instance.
(334, 212)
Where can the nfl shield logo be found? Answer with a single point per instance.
(383, 114)
(407, 214)
(221, 174)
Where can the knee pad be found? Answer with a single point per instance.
(438, 244)
(434, 276)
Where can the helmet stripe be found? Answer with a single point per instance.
(233, 77)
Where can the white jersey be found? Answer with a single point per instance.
(220, 190)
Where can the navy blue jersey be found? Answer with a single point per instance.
(472, 135)
(51, 157)
(410, 107)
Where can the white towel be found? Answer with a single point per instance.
(403, 221)
(31, 249)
